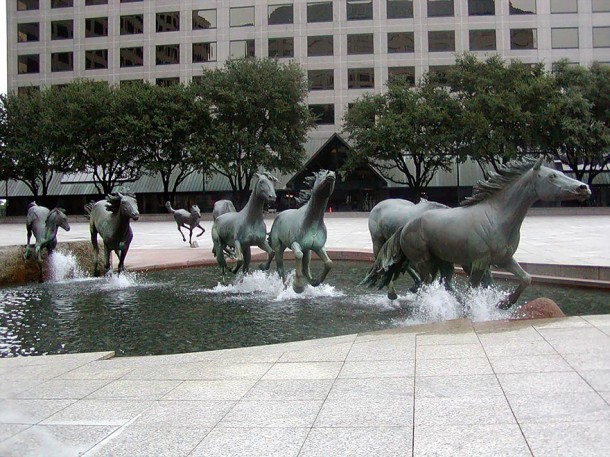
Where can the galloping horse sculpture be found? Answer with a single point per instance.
(240, 230)
(44, 225)
(385, 219)
(110, 218)
(303, 230)
(484, 231)
(189, 221)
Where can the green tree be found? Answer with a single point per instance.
(579, 122)
(167, 127)
(414, 130)
(101, 126)
(505, 105)
(30, 139)
(252, 115)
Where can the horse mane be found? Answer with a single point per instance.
(113, 200)
(269, 176)
(506, 175)
(305, 194)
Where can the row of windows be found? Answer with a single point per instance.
(317, 46)
(323, 11)
(24, 5)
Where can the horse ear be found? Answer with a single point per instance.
(538, 163)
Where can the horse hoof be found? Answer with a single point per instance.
(504, 304)
(392, 295)
(194, 244)
(298, 289)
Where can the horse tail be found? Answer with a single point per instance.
(168, 205)
(389, 263)
(88, 208)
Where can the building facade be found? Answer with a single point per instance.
(347, 47)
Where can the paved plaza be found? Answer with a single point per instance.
(455, 388)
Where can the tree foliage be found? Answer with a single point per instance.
(30, 139)
(252, 115)
(579, 122)
(504, 105)
(414, 130)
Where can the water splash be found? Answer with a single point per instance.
(124, 280)
(269, 285)
(63, 266)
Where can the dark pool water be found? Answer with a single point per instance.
(188, 310)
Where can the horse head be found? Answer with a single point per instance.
(123, 203)
(553, 185)
(265, 187)
(195, 211)
(57, 218)
(324, 184)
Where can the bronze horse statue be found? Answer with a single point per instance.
(44, 225)
(385, 219)
(303, 230)
(483, 231)
(188, 220)
(243, 229)
(221, 207)
(110, 218)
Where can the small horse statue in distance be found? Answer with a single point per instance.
(385, 219)
(243, 229)
(44, 225)
(189, 221)
(483, 231)
(303, 230)
(110, 218)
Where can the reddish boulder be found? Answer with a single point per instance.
(539, 308)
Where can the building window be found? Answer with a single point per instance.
(566, 6)
(130, 1)
(407, 73)
(132, 24)
(361, 43)
(481, 8)
(601, 37)
(62, 61)
(522, 6)
(168, 54)
(166, 82)
(523, 39)
(482, 40)
(29, 63)
(62, 30)
(401, 42)
(281, 47)
(319, 46)
(239, 49)
(204, 52)
(204, 19)
(25, 5)
(440, 8)
(359, 10)
(323, 114)
(438, 73)
(96, 26)
(241, 17)
(360, 78)
(321, 79)
(28, 32)
(320, 12)
(564, 38)
(600, 6)
(61, 3)
(168, 22)
(280, 14)
(441, 41)
(399, 9)
(95, 2)
(132, 57)
(96, 59)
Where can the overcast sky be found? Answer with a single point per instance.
(2, 46)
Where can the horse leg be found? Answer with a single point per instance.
(414, 276)
(107, 254)
(446, 270)
(247, 257)
(299, 281)
(239, 257)
(279, 262)
(525, 280)
(28, 252)
(180, 230)
(122, 256)
(264, 245)
(328, 264)
(307, 265)
(96, 252)
(202, 230)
